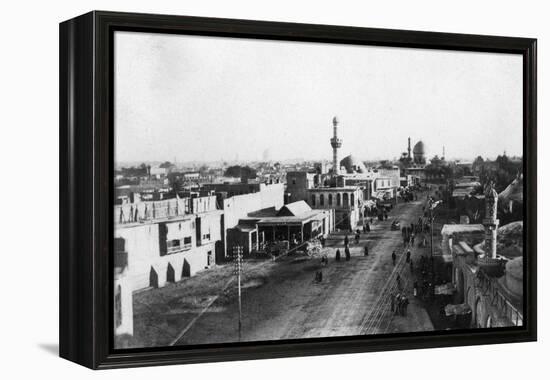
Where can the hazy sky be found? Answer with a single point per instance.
(209, 98)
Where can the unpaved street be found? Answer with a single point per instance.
(285, 302)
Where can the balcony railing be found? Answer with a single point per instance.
(147, 211)
(179, 248)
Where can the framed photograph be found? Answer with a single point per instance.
(234, 189)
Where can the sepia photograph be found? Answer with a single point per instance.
(269, 190)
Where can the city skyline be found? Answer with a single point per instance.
(205, 99)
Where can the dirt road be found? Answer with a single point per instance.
(284, 302)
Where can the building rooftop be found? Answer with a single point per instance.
(462, 228)
(467, 184)
(294, 209)
(341, 188)
(463, 192)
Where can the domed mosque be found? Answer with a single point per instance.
(419, 153)
(353, 165)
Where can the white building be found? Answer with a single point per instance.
(161, 242)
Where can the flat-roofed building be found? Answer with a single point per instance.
(292, 224)
(161, 242)
(347, 203)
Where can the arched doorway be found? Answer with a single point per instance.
(186, 270)
(118, 306)
(478, 311)
(170, 274)
(489, 322)
(153, 278)
(459, 282)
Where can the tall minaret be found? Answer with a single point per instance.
(409, 148)
(490, 221)
(336, 143)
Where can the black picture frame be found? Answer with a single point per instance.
(86, 187)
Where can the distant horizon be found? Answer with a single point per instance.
(298, 160)
(211, 99)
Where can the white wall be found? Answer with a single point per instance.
(142, 245)
(29, 324)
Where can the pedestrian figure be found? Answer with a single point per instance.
(366, 250)
(357, 236)
(346, 240)
(408, 256)
(398, 301)
(393, 257)
(368, 227)
(405, 303)
(348, 254)
(319, 276)
(337, 255)
(398, 279)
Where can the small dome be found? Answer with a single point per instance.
(353, 165)
(515, 268)
(419, 148)
(510, 240)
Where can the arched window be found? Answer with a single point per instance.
(352, 200)
(346, 199)
(338, 200)
(322, 199)
(313, 199)
(330, 199)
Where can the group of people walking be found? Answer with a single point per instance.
(399, 304)
(410, 233)
(424, 286)
(347, 252)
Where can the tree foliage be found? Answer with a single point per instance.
(502, 171)
(240, 172)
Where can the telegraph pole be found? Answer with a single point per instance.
(238, 258)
